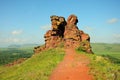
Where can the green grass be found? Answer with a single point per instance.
(103, 69)
(105, 62)
(103, 47)
(38, 67)
(111, 51)
(8, 55)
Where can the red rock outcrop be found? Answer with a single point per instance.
(74, 37)
(72, 34)
(67, 32)
(54, 36)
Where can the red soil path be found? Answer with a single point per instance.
(73, 67)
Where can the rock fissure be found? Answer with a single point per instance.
(66, 32)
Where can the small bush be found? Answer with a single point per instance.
(84, 46)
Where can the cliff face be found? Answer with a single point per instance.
(66, 32)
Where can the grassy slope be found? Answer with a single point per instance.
(8, 55)
(111, 51)
(105, 63)
(38, 67)
(102, 68)
(103, 48)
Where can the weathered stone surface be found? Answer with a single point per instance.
(74, 37)
(58, 23)
(67, 32)
(72, 19)
(84, 36)
(72, 33)
(54, 36)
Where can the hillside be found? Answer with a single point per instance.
(38, 67)
(8, 55)
(105, 47)
(73, 67)
(111, 51)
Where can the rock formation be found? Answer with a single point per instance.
(55, 36)
(66, 32)
(72, 34)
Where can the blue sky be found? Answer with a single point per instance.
(26, 21)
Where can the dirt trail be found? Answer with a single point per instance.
(73, 67)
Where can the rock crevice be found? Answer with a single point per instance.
(66, 32)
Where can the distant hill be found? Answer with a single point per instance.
(14, 46)
(102, 47)
(22, 45)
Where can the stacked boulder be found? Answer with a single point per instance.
(54, 37)
(72, 35)
(66, 32)
(75, 38)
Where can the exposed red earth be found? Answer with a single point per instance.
(73, 67)
(65, 33)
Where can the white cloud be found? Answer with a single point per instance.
(46, 27)
(113, 20)
(116, 36)
(16, 32)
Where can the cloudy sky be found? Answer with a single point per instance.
(26, 21)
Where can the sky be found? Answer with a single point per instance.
(26, 21)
